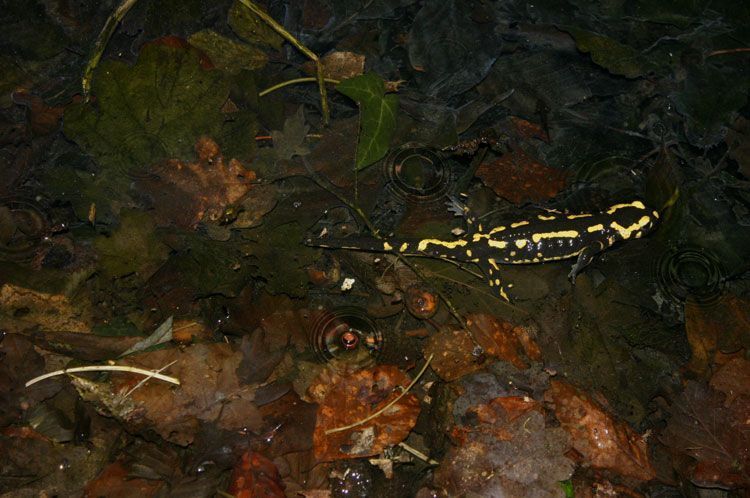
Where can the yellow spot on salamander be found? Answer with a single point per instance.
(595, 228)
(403, 247)
(521, 243)
(512, 253)
(500, 244)
(576, 216)
(546, 218)
(626, 232)
(635, 204)
(497, 229)
(493, 263)
(479, 236)
(569, 234)
(468, 252)
(497, 281)
(519, 224)
(387, 246)
(450, 244)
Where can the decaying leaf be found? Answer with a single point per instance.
(355, 397)
(603, 442)
(339, 65)
(507, 450)
(453, 350)
(209, 391)
(521, 178)
(146, 113)
(226, 53)
(252, 28)
(722, 326)
(255, 476)
(22, 308)
(188, 193)
(714, 431)
(133, 247)
(612, 55)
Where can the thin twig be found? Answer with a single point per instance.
(418, 454)
(306, 51)
(143, 381)
(386, 407)
(105, 368)
(728, 51)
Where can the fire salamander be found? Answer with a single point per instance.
(547, 237)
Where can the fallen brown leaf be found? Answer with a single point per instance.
(454, 350)
(716, 434)
(255, 476)
(603, 442)
(188, 193)
(355, 397)
(519, 177)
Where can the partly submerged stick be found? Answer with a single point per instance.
(106, 368)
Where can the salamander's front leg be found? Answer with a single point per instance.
(585, 257)
(459, 208)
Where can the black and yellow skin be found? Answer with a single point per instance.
(546, 237)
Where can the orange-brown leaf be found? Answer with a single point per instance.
(355, 397)
(604, 442)
(520, 177)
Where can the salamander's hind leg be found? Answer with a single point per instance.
(585, 257)
(492, 271)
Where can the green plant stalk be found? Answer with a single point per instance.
(278, 86)
(101, 44)
(306, 51)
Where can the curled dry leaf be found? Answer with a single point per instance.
(188, 193)
(355, 397)
(453, 349)
(520, 178)
(603, 442)
(255, 476)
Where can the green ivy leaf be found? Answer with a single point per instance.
(377, 120)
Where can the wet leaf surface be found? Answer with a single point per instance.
(186, 183)
(353, 398)
(504, 447)
(713, 430)
(603, 442)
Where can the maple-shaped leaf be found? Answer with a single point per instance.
(377, 120)
(717, 436)
(144, 113)
(290, 141)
